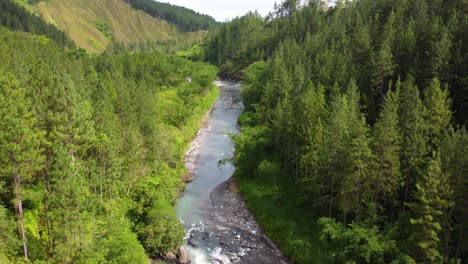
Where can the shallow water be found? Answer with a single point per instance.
(211, 146)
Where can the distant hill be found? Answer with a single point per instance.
(93, 24)
(185, 19)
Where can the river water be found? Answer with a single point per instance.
(212, 145)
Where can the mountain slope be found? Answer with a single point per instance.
(92, 24)
(18, 16)
(185, 19)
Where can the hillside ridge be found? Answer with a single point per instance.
(78, 19)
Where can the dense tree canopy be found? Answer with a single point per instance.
(353, 146)
(185, 19)
(92, 150)
(352, 112)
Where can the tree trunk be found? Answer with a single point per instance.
(405, 194)
(459, 244)
(331, 197)
(100, 187)
(19, 213)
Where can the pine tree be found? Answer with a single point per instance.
(20, 154)
(382, 67)
(438, 114)
(311, 112)
(70, 136)
(386, 146)
(431, 203)
(333, 159)
(406, 45)
(8, 236)
(454, 156)
(439, 49)
(356, 189)
(412, 126)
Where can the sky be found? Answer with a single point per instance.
(223, 10)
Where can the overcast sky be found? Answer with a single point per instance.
(226, 9)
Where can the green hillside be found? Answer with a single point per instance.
(185, 19)
(92, 25)
(15, 16)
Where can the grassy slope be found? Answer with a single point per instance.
(78, 17)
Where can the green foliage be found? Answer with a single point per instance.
(412, 127)
(205, 76)
(387, 146)
(285, 222)
(161, 232)
(9, 243)
(358, 243)
(194, 53)
(125, 248)
(255, 79)
(21, 154)
(185, 19)
(104, 28)
(431, 204)
(233, 46)
(95, 43)
(326, 113)
(372, 43)
(250, 148)
(453, 155)
(99, 156)
(438, 114)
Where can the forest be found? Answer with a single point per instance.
(92, 149)
(353, 143)
(353, 147)
(185, 19)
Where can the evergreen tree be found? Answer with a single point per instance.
(438, 114)
(312, 112)
(340, 170)
(333, 163)
(431, 203)
(9, 242)
(185, 19)
(20, 154)
(454, 156)
(386, 146)
(382, 68)
(412, 126)
(356, 189)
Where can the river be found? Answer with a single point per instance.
(218, 225)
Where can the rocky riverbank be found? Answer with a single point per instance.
(219, 227)
(239, 237)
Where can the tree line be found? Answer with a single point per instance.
(92, 150)
(360, 109)
(185, 19)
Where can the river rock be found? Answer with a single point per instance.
(192, 243)
(182, 256)
(170, 257)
